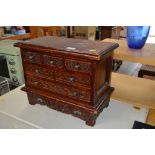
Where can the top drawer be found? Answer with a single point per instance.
(80, 66)
(32, 57)
(53, 61)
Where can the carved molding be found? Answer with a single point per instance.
(72, 92)
(85, 115)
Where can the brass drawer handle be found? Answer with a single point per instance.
(39, 100)
(36, 83)
(71, 79)
(76, 94)
(77, 66)
(37, 71)
(31, 57)
(51, 62)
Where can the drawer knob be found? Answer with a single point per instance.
(35, 83)
(76, 94)
(11, 62)
(77, 66)
(77, 112)
(39, 100)
(51, 62)
(37, 70)
(13, 71)
(71, 79)
(30, 57)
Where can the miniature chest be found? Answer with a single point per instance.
(69, 75)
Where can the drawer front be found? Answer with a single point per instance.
(73, 79)
(70, 92)
(42, 100)
(37, 99)
(57, 105)
(53, 61)
(80, 66)
(32, 57)
(39, 71)
(75, 111)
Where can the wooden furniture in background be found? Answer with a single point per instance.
(151, 117)
(146, 55)
(146, 70)
(1, 31)
(133, 90)
(105, 32)
(39, 31)
(34, 31)
(143, 88)
(16, 37)
(69, 31)
(114, 33)
(85, 32)
(110, 32)
(68, 75)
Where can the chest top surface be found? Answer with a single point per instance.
(70, 46)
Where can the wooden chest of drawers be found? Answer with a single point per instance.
(68, 75)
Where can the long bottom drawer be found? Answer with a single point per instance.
(87, 114)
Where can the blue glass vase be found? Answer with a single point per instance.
(137, 36)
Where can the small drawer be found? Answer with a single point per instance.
(34, 82)
(78, 112)
(80, 66)
(53, 61)
(32, 57)
(39, 71)
(73, 79)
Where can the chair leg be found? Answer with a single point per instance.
(140, 74)
(116, 64)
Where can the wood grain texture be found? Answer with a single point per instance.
(136, 91)
(38, 31)
(146, 55)
(72, 47)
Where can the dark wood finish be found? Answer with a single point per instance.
(68, 75)
(110, 32)
(39, 31)
(146, 70)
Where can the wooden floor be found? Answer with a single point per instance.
(132, 70)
